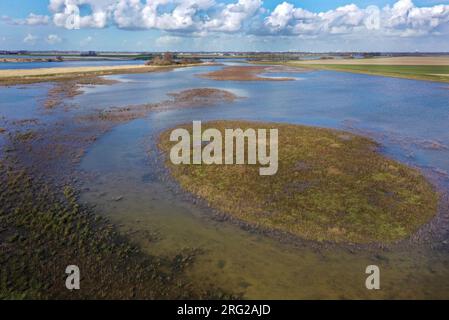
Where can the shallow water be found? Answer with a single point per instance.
(18, 103)
(406, 116)
(400, 112)
(234, 259)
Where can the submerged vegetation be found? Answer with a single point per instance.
(43, 231)
(245, 73)
(331, 186)
(44, 228)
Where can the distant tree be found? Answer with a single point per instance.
(168, 56)
(163, 60)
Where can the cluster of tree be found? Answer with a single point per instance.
(163, 60)
(169, 58)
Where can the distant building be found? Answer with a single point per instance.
(88, 54)
(6, 52)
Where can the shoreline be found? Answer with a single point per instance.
(430, 232)
(9, 77)
(48, 155)
(435, 69)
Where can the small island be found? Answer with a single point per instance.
(331, 186)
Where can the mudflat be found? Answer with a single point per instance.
(244, 73)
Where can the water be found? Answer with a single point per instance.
(396, 110)
(404, 115)
(63, 64)
(20, 103)
(83, 62)
(252, 265)
(413, 113)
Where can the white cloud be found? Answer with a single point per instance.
(167, 41)
(64, 12)
(30, 39)
(232, 17)
(402, 19)
(185, 15)
(127, 13)
(86, 41)
(201, 17)
(405, 19)
(35, 19)
(169, 15)
(281, 16)
(53, 39)
(56, 5)
(32, 20)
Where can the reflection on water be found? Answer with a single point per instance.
(251, 264)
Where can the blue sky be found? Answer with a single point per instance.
(231, 25)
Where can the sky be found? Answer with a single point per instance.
(225, 25)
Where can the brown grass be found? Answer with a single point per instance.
(25, 76)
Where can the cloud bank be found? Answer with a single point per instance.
(401, 19)
(202, 17)
(31, 20)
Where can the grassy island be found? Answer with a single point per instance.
(331, 186)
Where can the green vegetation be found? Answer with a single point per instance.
(24, 136)
(418, 72)
(42, 231)
(331, 186)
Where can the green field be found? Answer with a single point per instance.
(418, 72)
